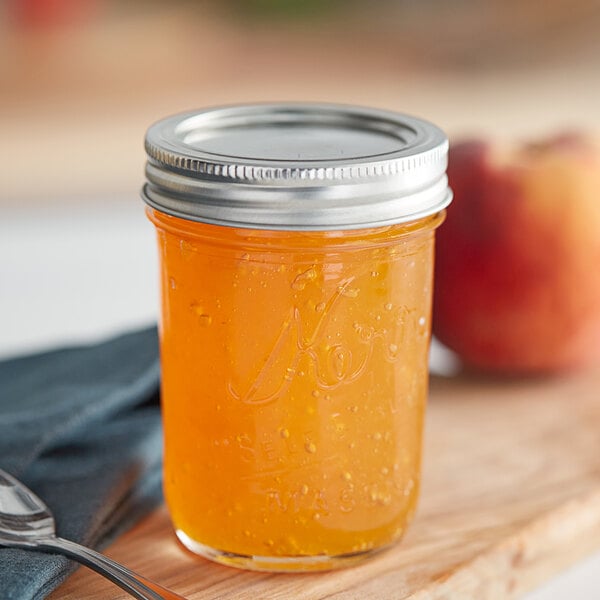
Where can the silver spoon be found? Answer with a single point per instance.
(26, 522)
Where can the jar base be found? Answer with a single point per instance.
(280, 564)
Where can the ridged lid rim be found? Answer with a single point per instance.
(196, 182)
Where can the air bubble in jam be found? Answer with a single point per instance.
(204, 319)
(303, 279)
(310, 447)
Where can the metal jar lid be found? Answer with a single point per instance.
(296, 167)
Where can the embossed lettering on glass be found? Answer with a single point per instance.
(296, 247)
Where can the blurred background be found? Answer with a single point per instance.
(81, 80)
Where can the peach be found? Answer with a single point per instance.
(517, 285)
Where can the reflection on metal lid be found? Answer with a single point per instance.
(296, 166)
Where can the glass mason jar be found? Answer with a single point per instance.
(296, 248)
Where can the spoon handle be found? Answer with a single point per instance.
(138, 586)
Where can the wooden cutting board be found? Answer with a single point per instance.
(511, 495)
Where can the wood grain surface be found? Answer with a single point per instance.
(511, 495)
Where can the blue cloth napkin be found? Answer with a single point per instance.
(81, 428)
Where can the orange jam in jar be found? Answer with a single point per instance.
(295, 327)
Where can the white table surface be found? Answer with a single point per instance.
(82, 271)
